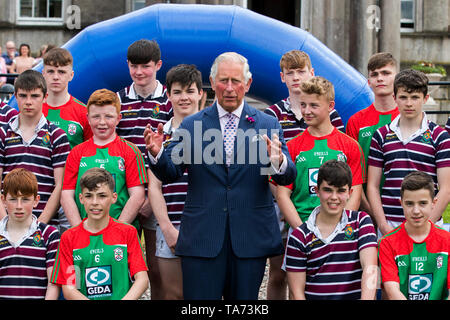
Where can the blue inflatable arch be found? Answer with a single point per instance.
(196, 34)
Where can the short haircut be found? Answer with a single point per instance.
(30, 80)
(58, 57)
(295, 59)
(25, 45)
(185, 75)
(417, 180)
(235, 57)
(20, 181)
(104, 97)
(335, 173)
(380, 60)
(93, 177)
(320, 86)
(143, 51)
(411, 81)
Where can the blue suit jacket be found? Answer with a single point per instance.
(215, 192)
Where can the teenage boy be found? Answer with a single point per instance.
(109, 151)
(184, 89)
(381, 68)
(98, 258)
(309, 150)
(414, 256)
(295, 67)
(27, 246)
(333, 256)
(60, 107)
(409, 143)
(32, 142)
(144, 101)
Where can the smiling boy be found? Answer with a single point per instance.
(414, 256)
(410, 143)
(320, 142)
(332, 256)
(109, 151)
(117, 270)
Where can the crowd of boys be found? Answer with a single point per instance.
(80, 183)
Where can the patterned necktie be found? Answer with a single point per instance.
(229, 135)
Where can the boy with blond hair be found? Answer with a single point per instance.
(320, 142)
(414, 256)
(109, 151)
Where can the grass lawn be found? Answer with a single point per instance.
(446, 215)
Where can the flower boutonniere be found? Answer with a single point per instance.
(249, 119)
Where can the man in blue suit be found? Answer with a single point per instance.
(229, 226)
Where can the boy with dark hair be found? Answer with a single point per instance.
(27, 246)
(99, 258)
(381, 68)
(144, 101)
(414, 256)
(332, 256)
(309, 150)
(32, 142)
(409, 143)
(184, 89)
(109, 151)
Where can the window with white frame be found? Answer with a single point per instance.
(40, 12)
(407, 15)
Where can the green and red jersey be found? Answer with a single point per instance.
(308, 153)
(421, 269)
(72, 118)
(120, 157)
(99, 264)
(362, 125)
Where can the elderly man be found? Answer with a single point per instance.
(229, 226)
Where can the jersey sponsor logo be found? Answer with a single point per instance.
(366, 134)
(312, 180)
(118, 254)
(98, 281)
(420, 286)
(391, 136)
(401, 264)
(300, 158)
(72, 129)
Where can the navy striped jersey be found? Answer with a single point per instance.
(426, 150)
(447, 126)
(23, 266)
(137, 112)
(332, 265)
(291, 125)
(47, 150)
(6, 113)
(174, 193)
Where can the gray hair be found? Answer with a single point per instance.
(231, 56)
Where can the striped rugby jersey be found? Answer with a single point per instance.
(47, 149)
(291, 125)
(174, 193)
(332, 265)
(6, 113)
(23, 266)
(426, 150)
(447, 126)
(137, 112)
(120, 157)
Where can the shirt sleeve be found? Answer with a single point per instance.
(366, 236)
(64, 272)
(295, 256)
(376, 157)
(386, 257)
(61, 148)
(336, 120)
(52, 246)
(135, 171)
(71, 170)
(351, 129)
(355, 160)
